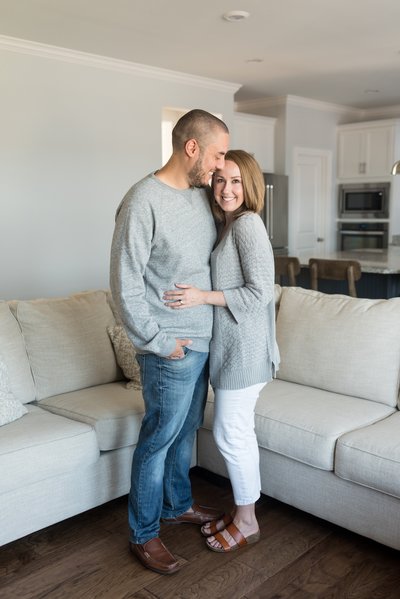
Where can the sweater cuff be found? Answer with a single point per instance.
(234, 307)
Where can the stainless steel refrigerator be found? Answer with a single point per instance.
(275, 212)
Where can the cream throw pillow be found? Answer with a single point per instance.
(67, 342)
(125, 355)
(10, 408)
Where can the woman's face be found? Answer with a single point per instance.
(228, 188)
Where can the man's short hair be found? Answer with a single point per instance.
(196, 124)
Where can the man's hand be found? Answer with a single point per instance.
(178, 352)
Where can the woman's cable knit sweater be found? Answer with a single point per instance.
(243, 349)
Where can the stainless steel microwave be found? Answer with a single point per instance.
(364, 200)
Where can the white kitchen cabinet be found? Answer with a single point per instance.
(366, 150)
(256, 135)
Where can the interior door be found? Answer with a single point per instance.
(311, 201)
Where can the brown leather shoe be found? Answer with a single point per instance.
(154, 555)
(200, 515)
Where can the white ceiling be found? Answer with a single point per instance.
(340, 51)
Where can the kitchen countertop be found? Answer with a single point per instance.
(385, 262)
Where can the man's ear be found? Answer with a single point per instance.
(191, 148)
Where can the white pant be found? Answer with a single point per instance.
(235, 437)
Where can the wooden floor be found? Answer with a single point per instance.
(298, 556)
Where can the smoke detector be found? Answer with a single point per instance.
(235, 15)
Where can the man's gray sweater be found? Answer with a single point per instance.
(162, 236)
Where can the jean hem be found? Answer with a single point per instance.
(174, 515)
(140, 541)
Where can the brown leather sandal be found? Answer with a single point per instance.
(213, 525)
(240, 540)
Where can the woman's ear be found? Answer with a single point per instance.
(191, 148)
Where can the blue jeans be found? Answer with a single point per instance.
(174, 393)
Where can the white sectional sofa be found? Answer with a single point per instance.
(328, 426)
(72, 450)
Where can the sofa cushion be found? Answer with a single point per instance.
(370, 456)
(114, 412)
(41, 445)
(304, 423)
(14, 355)
(10, 408)
(277, 295)
(341, 344)
(67, 342)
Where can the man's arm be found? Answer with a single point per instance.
(130, 252)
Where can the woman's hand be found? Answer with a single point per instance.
(184, 296)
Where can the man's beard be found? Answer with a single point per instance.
(196, 175)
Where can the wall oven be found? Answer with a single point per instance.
(364, 200)
(367, 236)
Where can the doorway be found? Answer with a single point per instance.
(311, 202)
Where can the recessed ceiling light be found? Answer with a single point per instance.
(235, 15)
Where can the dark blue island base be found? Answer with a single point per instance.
(371, 285)
(380, 272)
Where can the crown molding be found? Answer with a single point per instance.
(259, 105)
(290, 100)
(319, 105)
(21, 46)
(382, 112)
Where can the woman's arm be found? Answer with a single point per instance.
(186, 296)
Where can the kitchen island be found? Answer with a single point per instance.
(380, 270)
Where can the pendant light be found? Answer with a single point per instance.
(396, 168)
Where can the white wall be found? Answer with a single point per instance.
(75, 135)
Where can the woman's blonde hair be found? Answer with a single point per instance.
(252, 182)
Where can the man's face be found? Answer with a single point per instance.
(210, 159)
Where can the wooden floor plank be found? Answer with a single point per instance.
(342, 565)
(298, 556)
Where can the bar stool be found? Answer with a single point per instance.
(286, 266)
(335, 270)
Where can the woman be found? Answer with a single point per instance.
(243, 351)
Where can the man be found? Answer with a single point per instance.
(164, 234)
